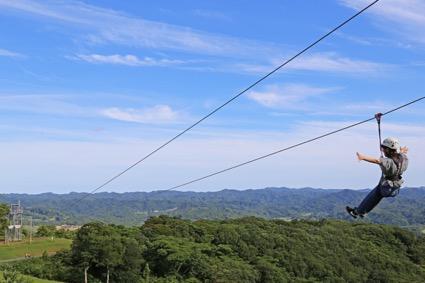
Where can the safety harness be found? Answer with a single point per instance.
(397, 161)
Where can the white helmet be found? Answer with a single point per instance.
(391, 143)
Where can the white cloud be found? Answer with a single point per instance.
(368, 106)
(104, 26)
(108, 26)
(367, 41)
(376, 41)
(129, 60)
(329, 163)
(42, 104)
(213, 15)
(395, 10)
(205, 150)
(289, 95)
(406, 17)
(334, 63)
(64, 105)
(368, 129)
(153, 115)
(320, 62)
(8, 53)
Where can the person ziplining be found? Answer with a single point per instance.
(393, 163)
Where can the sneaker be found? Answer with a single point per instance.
(352, 212)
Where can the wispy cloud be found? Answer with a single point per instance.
(407, 17)
(105, 26)
(129, 60)
(42, 104)
(375, 41)
(368, 106)
(8, 53)
(109, 26)
(290, 95)
(335, 63)
(153, 115)
(65, 106)
(92, 160)
(356, 39)
(327, 62)
(210, 14)
(402, 130)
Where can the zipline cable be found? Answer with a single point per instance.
(292, 146)
(231, 99)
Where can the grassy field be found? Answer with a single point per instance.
(36, 248)
(35, 280)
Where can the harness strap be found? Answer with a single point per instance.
(399, 164)
(378, 120)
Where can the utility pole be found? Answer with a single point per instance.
(31, 229)
(20, 221)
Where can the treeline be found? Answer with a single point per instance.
(249, 249)
(53, 231)
(134, 208)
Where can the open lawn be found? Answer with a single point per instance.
(33, 279)
(36, 248)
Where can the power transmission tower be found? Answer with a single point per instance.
(14, 230)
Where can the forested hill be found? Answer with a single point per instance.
(133, 208)
(247, 250)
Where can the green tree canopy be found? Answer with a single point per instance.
(168, 249)
(4, 212)
(46, 231)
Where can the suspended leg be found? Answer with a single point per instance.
(369, 202)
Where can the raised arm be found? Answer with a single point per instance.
(404, 149)
(362, 157)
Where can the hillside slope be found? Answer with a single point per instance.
(133, 208)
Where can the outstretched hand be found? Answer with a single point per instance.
(404, 149)
(362, 157)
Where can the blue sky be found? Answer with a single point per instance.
(87, 88)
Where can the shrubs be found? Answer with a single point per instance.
(11, 275)
(249, 249)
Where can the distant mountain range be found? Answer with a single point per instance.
(408, 209)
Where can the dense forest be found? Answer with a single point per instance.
(133, 208)
(168, 249)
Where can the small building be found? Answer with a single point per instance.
(67, 227)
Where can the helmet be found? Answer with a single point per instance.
(391, 143)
